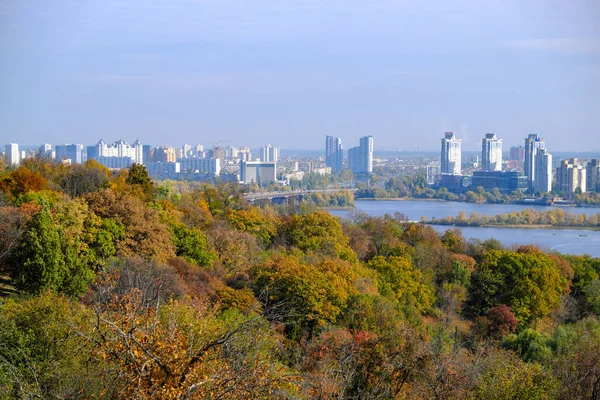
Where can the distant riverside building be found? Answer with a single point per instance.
(360, 159)
(517, 153)
(451, 158)
(593, 175)
(571, 176)
(491, 153)
(433, 171)
(533, 143)
(543, 172)
(505, 181)
(516, 157)
(72, 153)
(269, 153)
(257, 172)
(334, 153)
(13, 157)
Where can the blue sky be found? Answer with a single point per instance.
(289, 72)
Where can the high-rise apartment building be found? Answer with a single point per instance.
(451, 154)
(13, 157)
(593, 175)
(360, 159)
(245, 154)
(116, 155)
(46, 151)
(516, 157)
(72, 153)
(334, 153)
(570, 176)
(269, 153)
(543, 172)
(491, 153)
(164, 154)
(533, 143)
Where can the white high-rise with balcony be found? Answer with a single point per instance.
(491, 153)
(451, 154)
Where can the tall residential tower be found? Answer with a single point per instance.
(491, 153)
(360, 159)
(533, 145)
(451, 154)
(334, 153)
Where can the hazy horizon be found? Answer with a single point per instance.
(290, 73)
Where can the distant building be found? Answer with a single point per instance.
(217, 152)
(491, 153)
(505, 181)
(147, 154)
(269, 153)
(454, 183)
(334, 153)
(46, 151)
(571, 176)
(115, 155)
(73, 153)
(163, 170)
(451, 157)
(257, 172)
(114, 162)
(360, 159)
(164, 154)
(543, 172)
(244, 153)
(516, 157)
(231, 152)
(533, 143)
(593, 175)
(200, 165)
(13, 157)
(433, 172)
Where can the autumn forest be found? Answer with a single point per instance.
(114, 286)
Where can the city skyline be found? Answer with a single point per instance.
(300, 70)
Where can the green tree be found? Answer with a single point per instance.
(192, 244)
(400, 280)
(138, 178)
(526, 280)
(37, 263)
(322, 233)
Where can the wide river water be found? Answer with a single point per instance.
(568, 241)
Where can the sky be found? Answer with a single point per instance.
(290, 72)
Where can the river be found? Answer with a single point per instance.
(568, 241)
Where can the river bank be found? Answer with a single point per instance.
(517, 226)
(520, 203)
(571, 240)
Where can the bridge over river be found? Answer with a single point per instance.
(284, 196)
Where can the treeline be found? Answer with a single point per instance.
(116, 288)
(557, 217)
(414, 185)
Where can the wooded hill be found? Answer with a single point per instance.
(116, 287)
